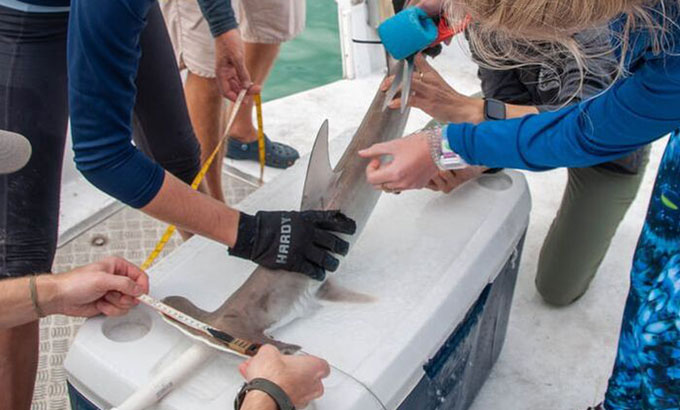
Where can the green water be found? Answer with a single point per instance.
(310, 60)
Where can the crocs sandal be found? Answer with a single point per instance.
(277, 155)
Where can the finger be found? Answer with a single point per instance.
(383, 148)
(254, 89)
(112, 297)
(123, 267)
(422, 65)
(312, 270)
(432, 186)
(394, 104)
(266, 353)
(332, 220)
(122, 284)
(330, 242)
(374, 164)
(121, 301)
(317, 391)
(387, 83)
(315, 366)
(382, 176)
(109, 309)
(225, 87)
(449, 177)
(325, 260)
(243, 75)
(439, 182)
(242, 369)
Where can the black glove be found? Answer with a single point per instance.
(293, 241)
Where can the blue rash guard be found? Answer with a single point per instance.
(636, 110)
(103, 56)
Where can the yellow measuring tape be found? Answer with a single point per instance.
(196, 182)
(260, 135)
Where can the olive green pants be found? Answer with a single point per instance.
(594, 203)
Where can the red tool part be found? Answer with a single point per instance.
(446, 32)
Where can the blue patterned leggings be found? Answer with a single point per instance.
(647, 369)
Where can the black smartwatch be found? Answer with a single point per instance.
(494, 110)
(275, 392)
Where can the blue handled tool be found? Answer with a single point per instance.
(404, 35)
(408, 32)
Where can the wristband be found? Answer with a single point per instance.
(440, 150)
(272, 389)
(34, 297)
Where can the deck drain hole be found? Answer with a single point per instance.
(133, 326)
(99, 240)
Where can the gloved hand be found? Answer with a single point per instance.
(293, 241)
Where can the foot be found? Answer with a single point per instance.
(277, 155)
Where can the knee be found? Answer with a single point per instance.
(556, 299)
(555, 293)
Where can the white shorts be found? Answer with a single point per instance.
(260, 21)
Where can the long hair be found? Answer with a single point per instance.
(511, 33)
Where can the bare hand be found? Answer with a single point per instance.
(447, 181)
(230, 69)
(299, 376)
(109, 287)
(411, 166)
(432, 94)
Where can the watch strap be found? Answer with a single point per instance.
(272, 389)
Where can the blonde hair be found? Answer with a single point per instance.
(512, 33)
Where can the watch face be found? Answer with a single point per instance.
(495, 110)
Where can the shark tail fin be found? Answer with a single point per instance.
(320, 175)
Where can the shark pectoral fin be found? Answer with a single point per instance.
(185, 306)
(330, 291)
(319, 172)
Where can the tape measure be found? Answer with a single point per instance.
(195, 183)
(218, 338)
(260, 135)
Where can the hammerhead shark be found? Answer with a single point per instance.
(269, 299)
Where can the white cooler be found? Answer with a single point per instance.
(441, 270)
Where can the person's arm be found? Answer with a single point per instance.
(102, 63)
(106, 287)
(102, 66)
(433, 95)
(230, 68)
(219, 14)
(633, 112)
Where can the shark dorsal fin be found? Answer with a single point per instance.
(320, 175)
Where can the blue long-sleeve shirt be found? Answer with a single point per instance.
(103, 56)
(637, 109)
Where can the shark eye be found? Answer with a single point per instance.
(670, 200)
